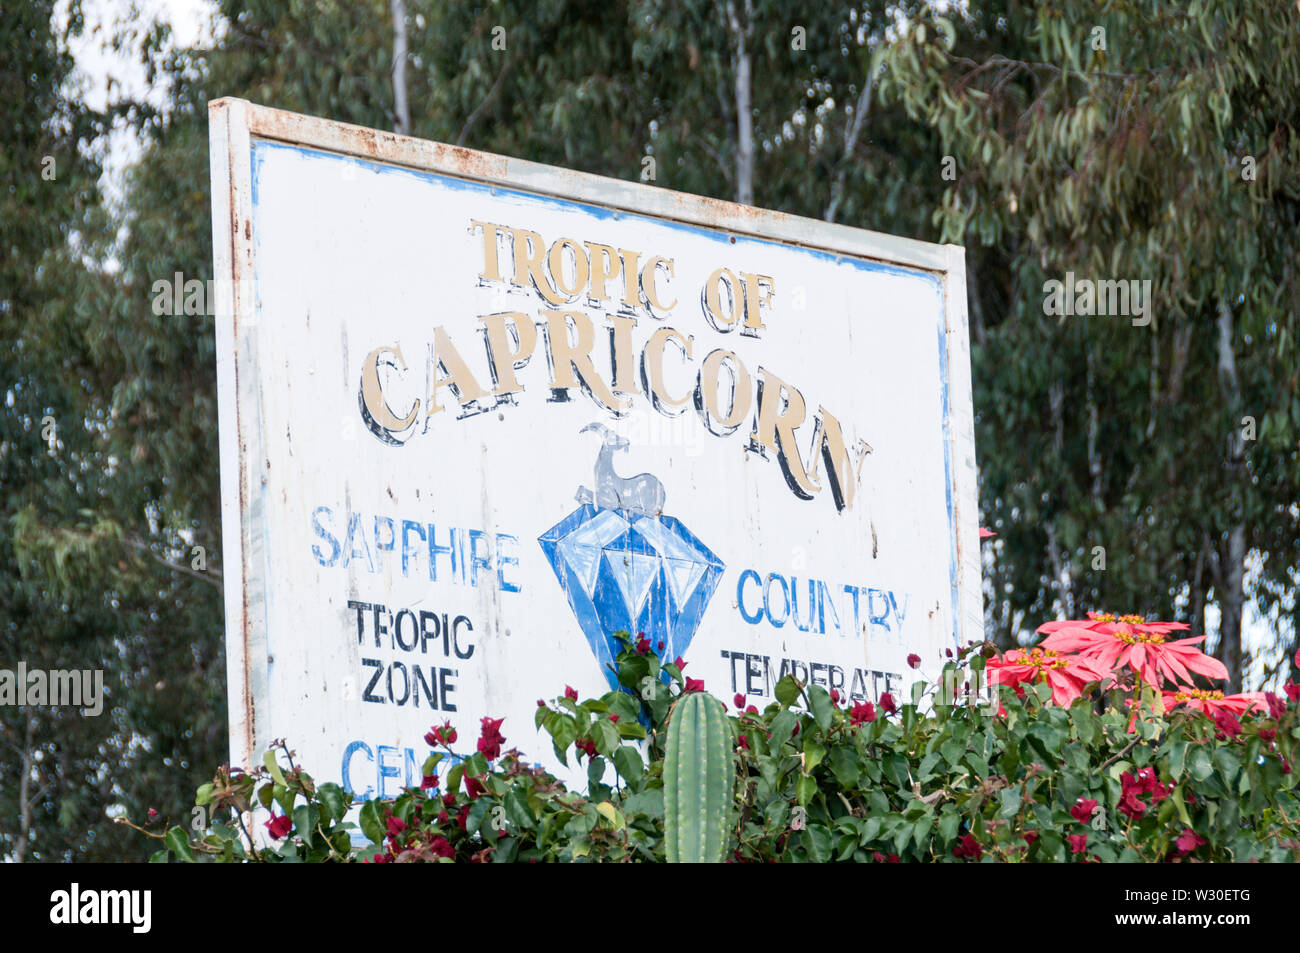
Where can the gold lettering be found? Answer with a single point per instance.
(713, 300)
(707, 400)
(630, 296)
(459, 377)
(529, 249)
(509, 348)
(382, 421)
(774, 430)
(565, 358)
(620, 346)
(556, 261)
(755, 298)
(491, 267)
(604, 266)
(648, 275)
(652, 370)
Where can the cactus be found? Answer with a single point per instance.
(699, 772)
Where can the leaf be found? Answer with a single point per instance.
(822, 706)
(334, 800)
(1201, 765)
(272, 765)
(628, 763)
(844, 765)
(787, 690)
(178, 842)
(372, 824)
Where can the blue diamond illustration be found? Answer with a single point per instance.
(631, 572)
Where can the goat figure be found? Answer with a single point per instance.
(642, 493)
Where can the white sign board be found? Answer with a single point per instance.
(477, 415)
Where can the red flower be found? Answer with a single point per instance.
(441, 847)
(751, 710)
(681, 666)
(743, 742)
(473, 787)
(877, 856)
(541, 703)
(445, 736)
(914, 660)
(835, 696)
(1078, 843)
(642, 645)
(863, 712)
(695, 684)
(429, 781)
(586, 745)
(152, 814)
(739, 700)
(1188, 841)
(968, 847)
(1030, 837)
(1293, 691)
(661, 646)
(395, 826)
(463, 816)
(887, 704)
(442, 817)
(1267, 734)
(1130, 640)
(489, 743)
(570, 693)
(449, 799)
(279, 826)
(1067, 675)
(1083, 810)
(1131, 805)
(613, 719)
(1227, 722)
(1276, 707)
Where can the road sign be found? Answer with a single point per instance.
(478, 415)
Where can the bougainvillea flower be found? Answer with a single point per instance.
(570, 693)
(441, 847)
(739, 700)
(1083, 810)
(694, 685)
(863, 712)
(968, 847)
(914, 660)
(1132, 641)
(887, 703)
(1276, 707)
(489, 742)
(1078, 843)
(473, 786)
(1188, 841)
(1067, 675)
(1293, 691)
(279, 826)
(1212, 702)
(429, 781)
(642, 645)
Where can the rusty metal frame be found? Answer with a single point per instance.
(233, 126)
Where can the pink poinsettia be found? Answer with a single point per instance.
(1213, 702)
(1116, 642)
(1067, 675)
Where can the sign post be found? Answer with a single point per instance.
(477, 415)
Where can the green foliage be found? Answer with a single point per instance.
(699, 772)
(815, 781)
